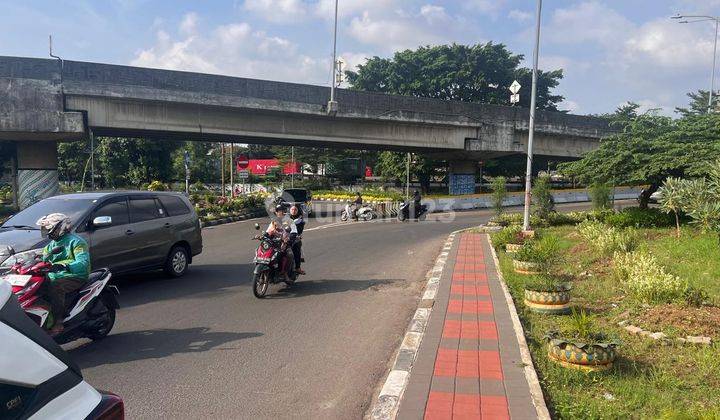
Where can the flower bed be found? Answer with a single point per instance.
(668, 378)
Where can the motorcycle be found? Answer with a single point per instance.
(364, 213)
(90, 311)
(273, 263)
(408, 207)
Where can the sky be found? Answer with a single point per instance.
(611, 51)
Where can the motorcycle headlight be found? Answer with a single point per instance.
(25, 256)
(265, 246)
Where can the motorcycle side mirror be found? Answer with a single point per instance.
(257, 226)
(10, 250)
(56, 250)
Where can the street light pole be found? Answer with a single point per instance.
(332, 105)
(703, 18)
(531, 127)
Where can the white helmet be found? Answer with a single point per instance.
(55, 224)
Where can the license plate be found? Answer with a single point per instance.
(17, 279)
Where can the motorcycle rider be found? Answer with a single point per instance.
(277, 229)
(356, 205)
(416, 198)
(70, 267)
(299, 222)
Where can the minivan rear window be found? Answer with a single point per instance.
(174, 206)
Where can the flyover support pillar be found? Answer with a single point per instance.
(37, 171)
(461, 177)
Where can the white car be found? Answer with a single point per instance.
(38, 380)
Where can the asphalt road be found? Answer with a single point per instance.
(203, 345)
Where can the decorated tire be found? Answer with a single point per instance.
(526, 267)
(590, 358)
(555, 302)
(512, 248)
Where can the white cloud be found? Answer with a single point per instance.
(234, 49)
(434, 14)
(485, 7)
(189, 23)
(347, 8)
(570, 106)
(279, 11)
(390, 34)
(520, 16)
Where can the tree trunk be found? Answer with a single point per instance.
(645, 195)
(677, 224)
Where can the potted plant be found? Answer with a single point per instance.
(509, 238)
(580, 346)
(536, 257)
(548, 294)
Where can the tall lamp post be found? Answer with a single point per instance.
(332, 104)
(531, 128)
(701, 18)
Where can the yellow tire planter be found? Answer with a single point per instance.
(586, 357)
(554, 302)
(526, 267)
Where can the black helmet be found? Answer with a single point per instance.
(280, 207)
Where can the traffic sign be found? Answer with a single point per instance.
(514, 98)
(515, 87)
(242, 162)
(243, 174)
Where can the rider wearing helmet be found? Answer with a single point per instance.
(70, 266)
(357, 204)
(416, 198)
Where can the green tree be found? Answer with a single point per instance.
(672, 198)
(470, 73)
(698, 103)
(600, 193)
(392, 166)
(499, 194)
(542, 199)
(649, 148)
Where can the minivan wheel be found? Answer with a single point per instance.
(177, 261)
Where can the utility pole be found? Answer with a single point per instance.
(702, 18)
(531, 128)
(222, 169)
(332, 104)
(232, 169)
(407, 177)
(92, 160)
(292, 173)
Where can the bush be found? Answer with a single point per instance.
(543, 202)
(600, 196)
(499, 193)
(608, 240)
(646, 279)
(509, 235)
(546, 283)
(545, 252)
(640, 218)
(157, 186)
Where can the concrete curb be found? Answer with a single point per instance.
(529, 368)
(388, 401)
(251, 215)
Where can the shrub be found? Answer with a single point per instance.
(509, 235)
(600, 196)
(608, 240)
(546, 283)
(646, 279)
(639, 218)
(672, 199)
(543, 202)
(499, 193)
(544, 252)
(157, 186)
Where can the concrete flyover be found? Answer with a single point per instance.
(46, 100)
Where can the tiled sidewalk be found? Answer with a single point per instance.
(469, 364)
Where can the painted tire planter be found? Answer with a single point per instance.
(526, 267)
(512, 248)
(554, 302)
(589, 357)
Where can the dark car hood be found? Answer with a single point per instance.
(20, 239)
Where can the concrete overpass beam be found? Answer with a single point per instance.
(461, 176)
(37, 171)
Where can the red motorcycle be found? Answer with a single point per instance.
(273, 262)
(90, 311)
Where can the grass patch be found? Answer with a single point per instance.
(650, 379)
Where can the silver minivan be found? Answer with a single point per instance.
(127, 231)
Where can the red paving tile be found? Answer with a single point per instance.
(456, 306)
(439, 405)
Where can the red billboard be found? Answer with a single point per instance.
(263, 166)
